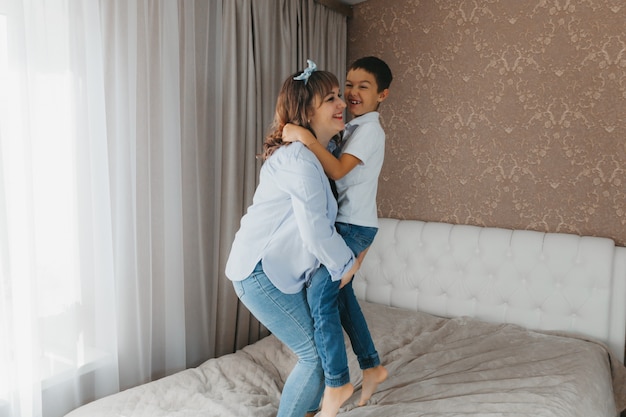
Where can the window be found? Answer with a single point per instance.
(45, 326)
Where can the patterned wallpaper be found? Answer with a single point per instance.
(507, 113)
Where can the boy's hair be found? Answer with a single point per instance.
(377, 67)
(295, 105)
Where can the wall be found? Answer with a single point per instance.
(503, 113)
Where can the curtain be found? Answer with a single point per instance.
(263, 43)
(57, 293)
(128, 135)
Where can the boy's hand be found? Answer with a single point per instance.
(294, 133)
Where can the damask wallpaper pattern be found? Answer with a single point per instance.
(502, 112)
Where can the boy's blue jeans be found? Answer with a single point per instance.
(287, 316)
(332, 308)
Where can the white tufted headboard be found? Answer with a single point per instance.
(542, 281)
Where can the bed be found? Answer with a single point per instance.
(469, 321)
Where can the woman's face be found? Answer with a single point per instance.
(327, 118)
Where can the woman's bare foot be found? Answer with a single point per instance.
(334, 397)
(371, 378)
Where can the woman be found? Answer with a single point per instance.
(288, 233)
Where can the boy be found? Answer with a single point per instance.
(355, 167)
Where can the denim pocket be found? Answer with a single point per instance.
(358, 238)
(363, 241)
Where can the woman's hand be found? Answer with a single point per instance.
(347, 277)
(295, 133)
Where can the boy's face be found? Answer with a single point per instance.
(361, 92)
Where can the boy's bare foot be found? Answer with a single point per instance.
(371, 378)
(334, 397)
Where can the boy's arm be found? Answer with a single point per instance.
(335, 168)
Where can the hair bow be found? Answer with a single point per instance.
(307, 72)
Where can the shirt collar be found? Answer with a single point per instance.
(367, 117)
(354, 123)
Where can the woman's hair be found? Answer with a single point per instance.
(295, 105)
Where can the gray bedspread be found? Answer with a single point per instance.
(437, 367)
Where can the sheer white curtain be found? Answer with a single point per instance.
(143, 114)
(105, 197)
(128, 134)
(57, 293)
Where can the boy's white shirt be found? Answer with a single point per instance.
(357, 189)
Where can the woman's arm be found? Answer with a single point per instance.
(347, 277)
(315, 212)
(335, 168)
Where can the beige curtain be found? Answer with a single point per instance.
(264, 41)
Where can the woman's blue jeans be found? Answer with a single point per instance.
(333, 308)
(288, 317)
